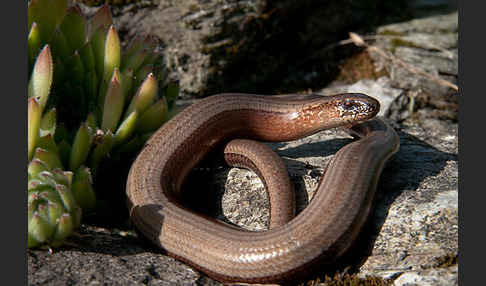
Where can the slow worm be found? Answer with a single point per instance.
(319, 234)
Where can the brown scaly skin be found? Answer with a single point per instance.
(323, 231)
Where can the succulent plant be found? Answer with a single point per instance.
(88, 101)
(53, 212)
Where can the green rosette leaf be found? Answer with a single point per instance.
(153, 117)
(144, 97)
(80, 148)
(34, 114)
(126, 129)
(41, 78)
(113, 106)
(74, 28)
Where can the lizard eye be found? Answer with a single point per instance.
(348, 104)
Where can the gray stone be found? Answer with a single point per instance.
(421, 224)
(430, 277)
(428, 44)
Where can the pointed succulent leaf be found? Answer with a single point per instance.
(98, 48)
(83, 173)
(60, 46)
(33, 199)
(113, 104)
(101, 150)
(80, 149)
(85, 195)
(62, 177)
(69, 177)
(144, 97)
(60, 74)
(91, 87)
(126, 82)
(87, 55)
(135, 45)
(31, 240)
(33, 184)
(135, 143)
(39, 229)
(75, 69)
(35, 167)
(153, 117)
(132, 145)
(99, 25)
(135, 61)
(43, 212)
(83, 190)
(47, 193)
(58, 10)
(73, 27)
(47, 144)
(67, 197)
(98, 113)
(127, 127)
(41, 78)
(34, 44)
(49, 179)
(54, 211)
(65, 227)
(111, 61)
(151, 58)
(33, 122)
(90, 77)
(30, 207)
(147, 43)
(48, 123)
(112, 53)
(150, 44)
(142, 74)
(49, 158)
(47, 14)
(92, 122)
(101, 19)
(102, 91)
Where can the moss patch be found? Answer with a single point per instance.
(390, 33)
(398, 42)
(447, 260)
(357, 67)
(349, 280)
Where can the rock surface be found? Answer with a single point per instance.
(252, 45)
(412, 236)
